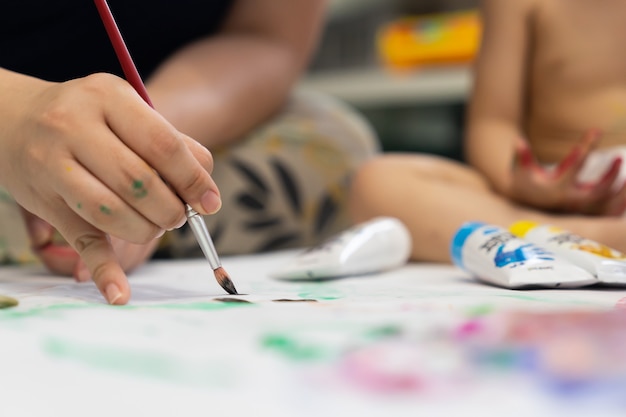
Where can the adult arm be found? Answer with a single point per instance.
(217, 89)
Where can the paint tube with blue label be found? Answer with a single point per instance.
(493, 254)
(377, 245)
(607, 264)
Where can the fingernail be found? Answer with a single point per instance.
(181, 223)
(211, 202)
(161, 233)
(112, 293)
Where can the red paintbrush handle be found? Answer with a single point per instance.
(128, 66)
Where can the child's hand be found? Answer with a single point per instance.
(559, 190)
(60, 258)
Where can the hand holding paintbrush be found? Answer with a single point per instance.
(132, 76)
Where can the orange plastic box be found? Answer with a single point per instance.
(444, 38)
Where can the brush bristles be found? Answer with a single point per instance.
(224, 280)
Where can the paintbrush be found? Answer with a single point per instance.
(196, 222)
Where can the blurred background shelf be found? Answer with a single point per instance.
(375, 87)
(418, 111)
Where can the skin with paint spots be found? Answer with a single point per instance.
(138, 189)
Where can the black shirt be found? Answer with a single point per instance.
(64, 39)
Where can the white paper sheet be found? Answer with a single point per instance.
(368, 345)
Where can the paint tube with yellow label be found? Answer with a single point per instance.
(607, 264)
(493, 254)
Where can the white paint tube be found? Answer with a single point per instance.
(607, 264)
(377, 245)
(493, 254)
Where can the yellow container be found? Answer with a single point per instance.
(445, 38)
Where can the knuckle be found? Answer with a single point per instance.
(86, 241)
(103, 211)
(165, 143)
(57, 116)
(138, 181)
(204, 158)
(196, 181)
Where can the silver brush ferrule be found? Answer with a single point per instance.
(200, 231)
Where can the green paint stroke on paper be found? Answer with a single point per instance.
(54, 310)
(139, 191)
(137, 362)
(321, 291)
(293, 349)
(48, 311)
(105, 210)
(202, 306)
(384, 332)
(480, 310)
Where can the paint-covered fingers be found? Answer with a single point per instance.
(186, 168)
(603, 190)
(569, 168)
(523, 157)
(101, 207)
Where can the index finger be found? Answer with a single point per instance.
(96, 251)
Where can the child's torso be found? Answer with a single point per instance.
(577, 74)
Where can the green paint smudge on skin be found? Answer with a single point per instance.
(139, 190)
(105, 210)
(79, 205)
(293, 349)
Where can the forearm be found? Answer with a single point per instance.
(16, 90)
(217, 89)
(490, 148)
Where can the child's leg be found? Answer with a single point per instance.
(286, 184)
(434, 196)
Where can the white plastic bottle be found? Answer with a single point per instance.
(379, 244)
(607, 264)
(493, 254)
